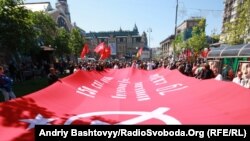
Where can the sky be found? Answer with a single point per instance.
(157, 15)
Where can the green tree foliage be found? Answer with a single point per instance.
(178, 43)
(215, 38)
(16, 27)
(45, 27)
(198, 40)
(237, 29)
(62, 41)
(76, 42)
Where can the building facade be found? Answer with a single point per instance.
(123, 43)
(157, 53)
(230, 14)
(167, 48)
(60, 14)
(186, 27)
(185, 30)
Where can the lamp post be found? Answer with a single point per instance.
(176, 14)
(149, 31)
(175, 28)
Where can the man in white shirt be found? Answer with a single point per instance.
(238, 79)
(217, 75)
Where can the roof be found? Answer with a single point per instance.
(114, 33)
(171, 37)
(39, 6)
(215, 44)
(192, 19)
(230, 51)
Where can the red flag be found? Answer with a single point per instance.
(85, 50)
(138, 55)
(204, 52)
(189, 53)
(99, 48)
(125, 96)
(106, 53)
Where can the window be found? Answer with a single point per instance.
(118, 40)
(134, 39)
(121, 39)
(138, 39)
(62, 23)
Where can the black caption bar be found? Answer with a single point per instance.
(108, 132)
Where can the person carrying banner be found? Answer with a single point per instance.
(52, 76)
(6, 86)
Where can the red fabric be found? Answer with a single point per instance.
(189, 53)
(204, 53)
(85, 50)
(121, 96)
(139, 53)
(100, 48)
(106, 53)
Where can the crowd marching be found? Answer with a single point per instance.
(199, 70)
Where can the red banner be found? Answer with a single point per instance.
(126, 96)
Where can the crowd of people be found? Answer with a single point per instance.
(199, 70)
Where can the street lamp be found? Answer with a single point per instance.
(176, 15)
(149, 31)
(175, 28)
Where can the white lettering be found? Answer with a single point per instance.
(158, 79)
(87, 91)
(55, 132)
(170, 88)
(121, 89)
(97, 84)
(74, 132)
(42, 133)
(140, 92)
(106, 79)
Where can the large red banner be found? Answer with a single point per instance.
(126, 96)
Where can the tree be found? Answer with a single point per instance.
(16, 27)
(45, 27)
(215, 38)
(237, 30)
(76, 42)
(178, 44)
(61, 42)
(198, 40)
